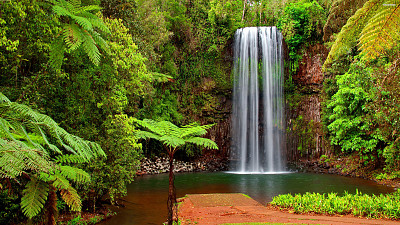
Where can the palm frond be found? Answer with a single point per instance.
(34, 197)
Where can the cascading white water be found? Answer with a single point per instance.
(257, 120)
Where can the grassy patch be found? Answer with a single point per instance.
(375, 206)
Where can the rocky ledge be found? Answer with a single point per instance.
(159, 165)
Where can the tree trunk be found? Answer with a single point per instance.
(51, 206)
(171, 192)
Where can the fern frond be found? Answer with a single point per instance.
(69, 159)
(61, 11)
(96, 22)
(100, 41)
(204, 142)
(75, 3)
(172, 141)
(88, 8)
(3, 98)
(72, 36)
(172, 136)
(15, 158)
(83, 22)
(195, 130)
(44, 126)
(348, 36)
(71, 197)
(381, 33)
(146, 135)
(34, 197)
(75, 174)
(90, 48)
(56, 54)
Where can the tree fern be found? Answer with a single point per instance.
(172, 138)
(79, 31)
(28, 139)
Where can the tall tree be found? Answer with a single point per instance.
(173, 138)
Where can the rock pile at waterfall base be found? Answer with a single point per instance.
(159, 165)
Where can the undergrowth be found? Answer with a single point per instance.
(373, 206)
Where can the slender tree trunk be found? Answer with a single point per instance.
(52, 206)
(171, 192)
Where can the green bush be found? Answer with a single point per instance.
(373, 206)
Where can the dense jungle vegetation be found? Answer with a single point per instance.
(77, 74)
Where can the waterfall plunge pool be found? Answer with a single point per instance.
(146, 202)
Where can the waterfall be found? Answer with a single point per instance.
(258, 112)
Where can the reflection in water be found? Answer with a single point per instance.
(146, 202)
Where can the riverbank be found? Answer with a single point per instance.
(215, 209)
(157, 165)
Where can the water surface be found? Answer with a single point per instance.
(146, 202)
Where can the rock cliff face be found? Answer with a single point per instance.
(305, 139)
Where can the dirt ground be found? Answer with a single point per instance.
(213, 209)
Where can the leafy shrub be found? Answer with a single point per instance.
(375, 206)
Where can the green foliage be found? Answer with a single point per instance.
(110, 176)
(79, 31)
(172, 136)
(24, 157)
(26, 30)
(9, 207)
(349, 118)
(375, 26)
(34, 197)
(375, 206)
(339, 13)
(382, 32)
(301, 23)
